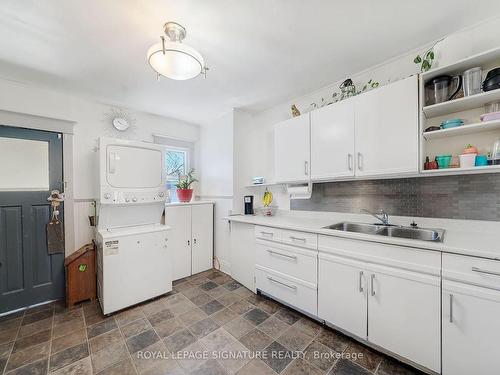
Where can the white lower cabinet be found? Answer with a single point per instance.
(202, 230)
(190, 238)
(471, 315)
(243, 254)
(342, 294)
(404, 314)
(393, 308)
(471, 329)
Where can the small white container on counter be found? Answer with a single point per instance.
(467, 160)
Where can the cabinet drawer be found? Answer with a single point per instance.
(298, 263)
(268, 233)
(478, 271)
(297, 293)
(302, 239)
(406, 258)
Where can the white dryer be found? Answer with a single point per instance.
(133, 262)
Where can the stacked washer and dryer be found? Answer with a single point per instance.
(133, 262)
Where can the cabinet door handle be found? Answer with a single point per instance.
(360, 165)
(479, 270)
(349, 161)
(189, 242)
(280, 254)
(361, 282)
(297, 238)
(194, 241)
(293, 287)
(372, 277)
(451, 308)
(306, 167)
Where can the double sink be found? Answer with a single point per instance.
(434, 235)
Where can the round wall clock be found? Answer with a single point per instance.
(121, 120)
(121, 124)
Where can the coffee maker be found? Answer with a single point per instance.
(248, 200)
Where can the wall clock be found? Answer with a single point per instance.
(121, 124)
(120, 119)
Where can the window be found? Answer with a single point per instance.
(176, 164)
(178, 159)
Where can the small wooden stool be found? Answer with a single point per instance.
(80, 275)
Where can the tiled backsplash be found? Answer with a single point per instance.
(455, 197)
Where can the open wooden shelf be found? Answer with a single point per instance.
(464, 129)
(462, 104)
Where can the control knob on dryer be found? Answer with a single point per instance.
(134, 199)
(161, 193)
(127, 200)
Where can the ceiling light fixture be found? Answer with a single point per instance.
(173, 59)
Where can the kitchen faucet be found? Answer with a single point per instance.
(382, 216)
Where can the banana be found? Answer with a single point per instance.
(267, 199)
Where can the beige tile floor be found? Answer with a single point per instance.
(209, 324)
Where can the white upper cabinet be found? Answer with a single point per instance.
(386, 129)
(292, 145)
(332, 141)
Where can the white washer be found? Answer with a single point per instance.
(133, 262)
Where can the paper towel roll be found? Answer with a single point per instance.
(302, 191)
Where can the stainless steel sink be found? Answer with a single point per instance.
(422, 234)
(355, 227)
(414, 233)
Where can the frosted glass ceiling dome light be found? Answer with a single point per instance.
(174, 59)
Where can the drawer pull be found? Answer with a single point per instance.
(361, 282)
(297, 238)
(371, 284)
(293, 287)
(451, 308)
(267, 233)
(283, 255)
(475, 269)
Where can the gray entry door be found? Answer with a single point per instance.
(28, 274)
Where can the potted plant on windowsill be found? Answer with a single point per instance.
(184, 191)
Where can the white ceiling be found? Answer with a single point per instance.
(260, 52)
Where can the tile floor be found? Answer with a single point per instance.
(208, 320)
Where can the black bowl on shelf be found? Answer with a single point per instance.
(492, 81)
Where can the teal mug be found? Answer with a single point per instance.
(481, 160)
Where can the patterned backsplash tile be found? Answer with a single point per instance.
(474, 197)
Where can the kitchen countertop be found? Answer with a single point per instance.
(466, 237)
(193, 203)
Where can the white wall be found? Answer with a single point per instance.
(91, 123)
(253, 139)
(215, 161)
